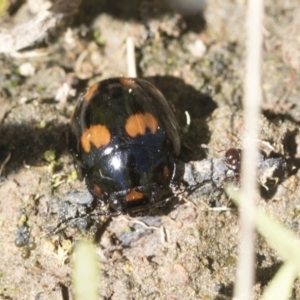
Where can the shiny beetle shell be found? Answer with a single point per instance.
(124, 139)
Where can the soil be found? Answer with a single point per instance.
(188, 251)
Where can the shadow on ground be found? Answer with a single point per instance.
(27, 143)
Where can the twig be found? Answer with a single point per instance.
(25, 35)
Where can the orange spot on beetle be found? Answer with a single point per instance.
(138, 123)
(134, 196)
(91, 92)
(129, 82)
(97, 191)
(98, 135)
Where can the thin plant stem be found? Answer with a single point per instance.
(252, 101)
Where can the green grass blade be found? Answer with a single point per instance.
(286, 243)
(282, 283)
(3, 6)
(279, 237)
(86, 274)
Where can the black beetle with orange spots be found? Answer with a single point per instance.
(125, 142)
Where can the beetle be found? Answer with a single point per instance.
(125, 142)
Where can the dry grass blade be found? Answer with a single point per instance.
(252, 99)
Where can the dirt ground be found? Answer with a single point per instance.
(190, 250)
